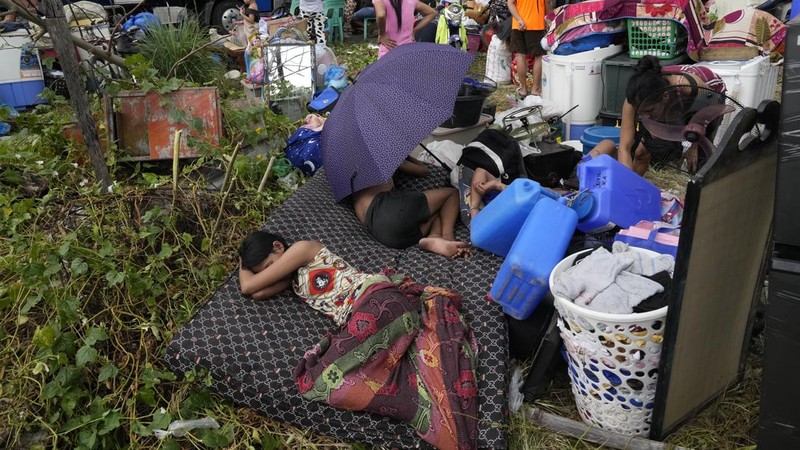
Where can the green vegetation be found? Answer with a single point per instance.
(182, 52)
(93, 285)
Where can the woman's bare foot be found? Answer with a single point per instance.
(441, 246)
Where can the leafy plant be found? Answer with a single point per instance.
(182, 52)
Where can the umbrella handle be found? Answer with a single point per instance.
(446, 167)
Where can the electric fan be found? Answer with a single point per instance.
(684, 123)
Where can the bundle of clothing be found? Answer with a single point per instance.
(622, 281)
(406, 352)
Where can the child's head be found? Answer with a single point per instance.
(646, 79)
(260, 249)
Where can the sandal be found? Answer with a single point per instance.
(520, 95)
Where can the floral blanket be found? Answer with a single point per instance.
(407, 353)
(570, 22)
(747, 27)
(568, 18)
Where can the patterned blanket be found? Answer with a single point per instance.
(739, 28)
(570, 22)
(750, 27)
(406, 353)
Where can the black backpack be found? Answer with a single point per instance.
(496, 152)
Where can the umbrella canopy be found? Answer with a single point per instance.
(395, 103)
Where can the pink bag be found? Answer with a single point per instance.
(659, 237)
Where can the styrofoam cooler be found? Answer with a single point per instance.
(576, 79)
(21, 77)
(748, 82)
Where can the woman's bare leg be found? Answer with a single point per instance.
(641, 160)
(443, 204)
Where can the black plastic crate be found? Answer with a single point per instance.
(609, 119)
(617, 71)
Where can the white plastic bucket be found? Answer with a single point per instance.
(546, 75)
(576, 80)
(613, 360)
(748, 82)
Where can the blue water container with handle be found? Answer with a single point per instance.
(523, 278)
(496, 226)
(620, 197)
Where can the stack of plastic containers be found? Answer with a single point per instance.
(532, 229)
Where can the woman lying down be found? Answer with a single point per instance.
(397, 339)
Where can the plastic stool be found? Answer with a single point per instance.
(334, 11)
(367, 20)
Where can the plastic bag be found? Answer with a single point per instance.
(498, 61)
(302, 150)
(179, 428)
(336, 77)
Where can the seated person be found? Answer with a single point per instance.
(30, 5)
(637, 148)
(400, 219)
(357, 22)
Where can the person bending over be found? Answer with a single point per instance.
(637, 149)
(400, 219)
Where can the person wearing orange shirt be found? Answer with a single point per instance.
(527, 30)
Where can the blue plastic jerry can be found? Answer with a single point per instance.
(620, 197)
(523, 279)
(497, 225)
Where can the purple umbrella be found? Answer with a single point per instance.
(393, 105)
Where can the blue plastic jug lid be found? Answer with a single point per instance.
(581, 202)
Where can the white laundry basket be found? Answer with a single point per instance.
(613, 361)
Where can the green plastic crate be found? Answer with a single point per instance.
(664, 39)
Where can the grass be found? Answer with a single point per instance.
(93, 286)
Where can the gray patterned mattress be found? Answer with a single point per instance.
(251, 348)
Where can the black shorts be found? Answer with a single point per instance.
(394, 217)
(528, 42)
